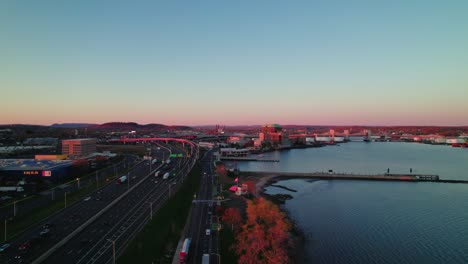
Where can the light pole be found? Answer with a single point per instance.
(128, 181)
(151, 210)
(78, 182)
(97, 181)
(53, 192)
(65, 199)
(14, 208)
(219, 257)
(113, 250)
(5, 230)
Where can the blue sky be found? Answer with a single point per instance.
(235, 62)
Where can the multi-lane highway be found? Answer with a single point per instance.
(203, 217)
(118, 226)
(83, 232)
(26, 206)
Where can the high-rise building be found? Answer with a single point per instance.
(78, 148)
(272, 133)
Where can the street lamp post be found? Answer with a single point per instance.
(5, 230)
(113, 250)
(97, 181)
(65, 199)
(14, 208)
(78, 182)
(128, 181)
(151, 210)
(219, 257)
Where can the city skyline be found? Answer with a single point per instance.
(243, 63)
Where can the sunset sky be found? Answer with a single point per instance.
(234, 62)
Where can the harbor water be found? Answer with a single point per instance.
(347, 221)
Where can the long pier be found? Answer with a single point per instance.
(344, 176)
(248, 159)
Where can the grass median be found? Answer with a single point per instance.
(158, 240)
(226, 240)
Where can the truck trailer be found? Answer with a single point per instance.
(183, 256)
(11, 189)
(166, 175)
(206, 259)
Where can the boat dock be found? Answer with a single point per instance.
(248, 159)
(345, 176)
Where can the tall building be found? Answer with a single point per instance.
(78, 148)
(272, 133)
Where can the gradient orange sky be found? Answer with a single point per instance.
(235, 63)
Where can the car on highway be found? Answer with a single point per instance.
(3, 198)
(44, 232)
(24, 246)
(87, 198)
(48, 226)
(208, 232)
(4, 247)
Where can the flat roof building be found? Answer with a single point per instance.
(79, 148)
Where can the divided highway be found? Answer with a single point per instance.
(203, 217)
(86, 231)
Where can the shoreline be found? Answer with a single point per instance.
(296, 235)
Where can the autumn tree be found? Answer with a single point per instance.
(221, 169)
(264, 238)
(232, 217)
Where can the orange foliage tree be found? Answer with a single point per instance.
(232, 217)
(221, 169)
(264, 237)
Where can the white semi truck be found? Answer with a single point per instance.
(11, 189)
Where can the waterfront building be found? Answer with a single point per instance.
(272, 133)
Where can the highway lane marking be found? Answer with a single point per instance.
(134, 208)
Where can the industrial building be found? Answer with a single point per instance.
(79, 148)
(32, 170)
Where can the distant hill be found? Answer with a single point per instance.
(136, 126)
(72, 125)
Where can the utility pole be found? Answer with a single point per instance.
(5, 230)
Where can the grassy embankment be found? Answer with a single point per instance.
(158, 240)
(19, 224)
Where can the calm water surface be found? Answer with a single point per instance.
(375, 157)
(380, 222)
(377, 222)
